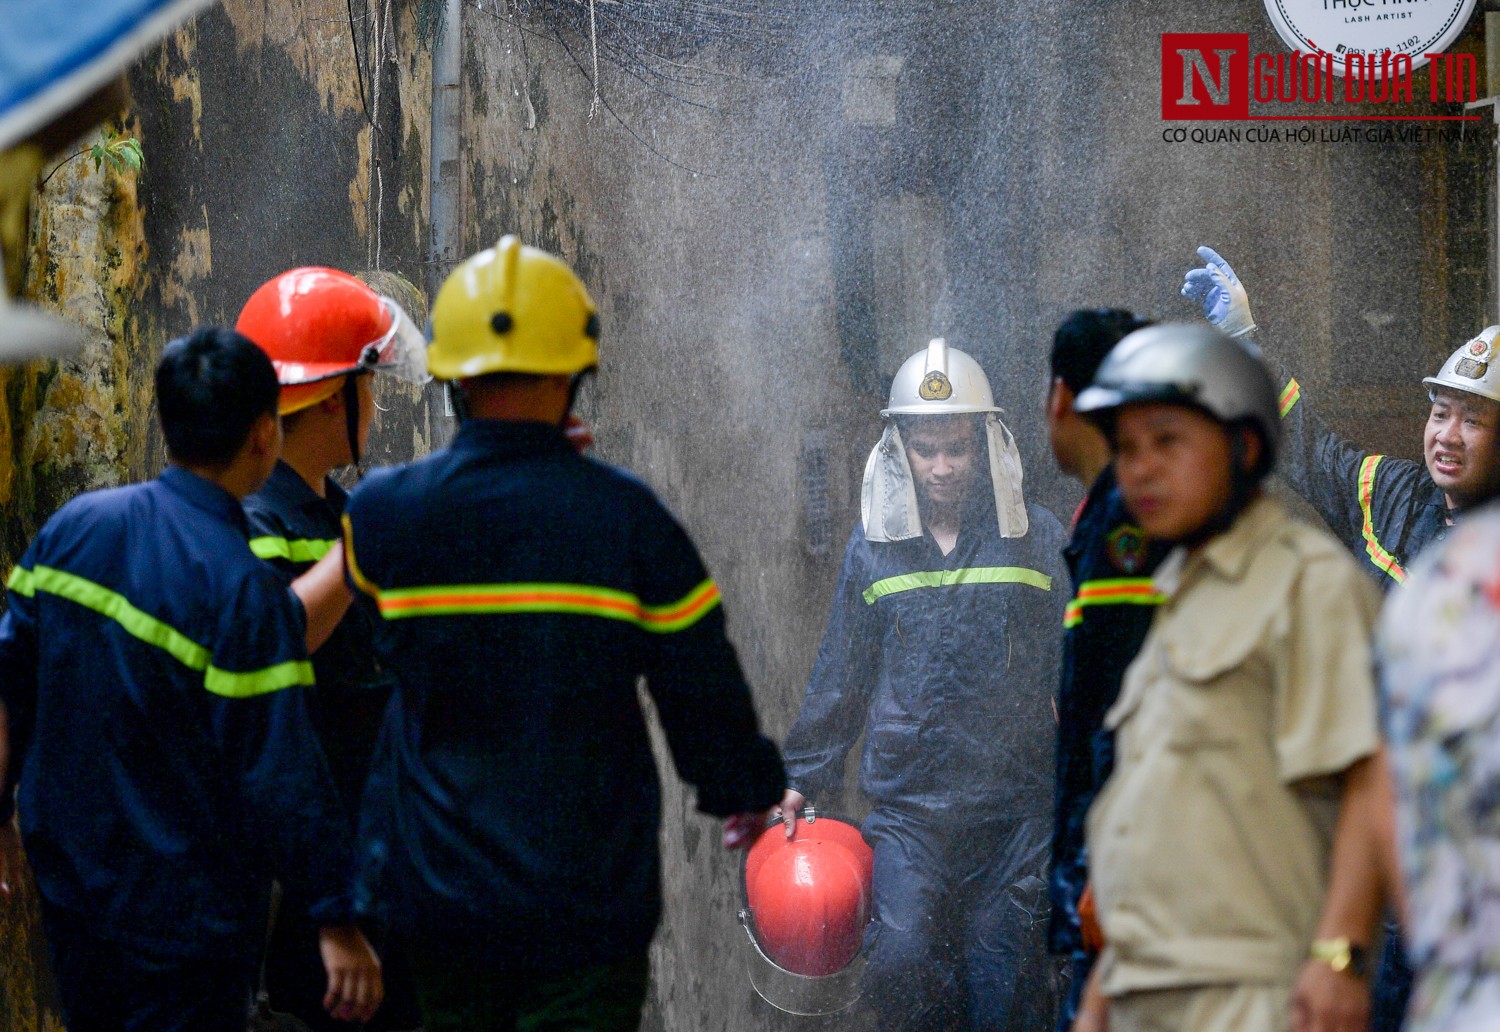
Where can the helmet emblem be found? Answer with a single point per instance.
(1126, 548)
(935, 387)
(1471, 369)
(1478, 346)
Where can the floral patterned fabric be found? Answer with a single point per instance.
(1440, 648)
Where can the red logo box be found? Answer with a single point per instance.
(1205, 75)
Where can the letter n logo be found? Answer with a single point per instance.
(1205, 75)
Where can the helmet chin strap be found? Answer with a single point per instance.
(351, 415)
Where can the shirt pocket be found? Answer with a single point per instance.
(1216, 685)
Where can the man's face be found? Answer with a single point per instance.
(944, 458)
(1174, 467)
(1461, 444)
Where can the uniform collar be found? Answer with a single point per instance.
(287, 488)
(205, 495)
(1230, 553)
(508, 437)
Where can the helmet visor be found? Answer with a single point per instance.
(401, 352)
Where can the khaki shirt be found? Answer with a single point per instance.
(1208, 865)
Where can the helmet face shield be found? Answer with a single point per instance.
(401, 352)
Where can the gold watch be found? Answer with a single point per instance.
(1342, 955)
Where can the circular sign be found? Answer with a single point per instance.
(1345, 28)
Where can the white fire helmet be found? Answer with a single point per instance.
(1473, 368)
(938, 381)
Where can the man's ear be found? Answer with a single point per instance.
(1251, 447)
(263, 433)
(1059, 400)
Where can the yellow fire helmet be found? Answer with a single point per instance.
(512, 309)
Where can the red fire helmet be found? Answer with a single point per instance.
(807, 904)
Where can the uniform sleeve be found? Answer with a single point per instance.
(837, 702)
(271, 541)
(261, 720)
(1345, 484)
(695, 678)
(1325, 703)
(18, 677)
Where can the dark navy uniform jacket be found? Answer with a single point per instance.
(1385, 510)
(1111, 562)
(151, 667)
(524, 590)
(291, 527)
(947, 665)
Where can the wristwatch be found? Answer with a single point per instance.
(1342, 955)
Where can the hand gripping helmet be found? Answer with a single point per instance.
(1473, 368)
(1193, 365)
(320, 325)
(807, 902)
(512, 309)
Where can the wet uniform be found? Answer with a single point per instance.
(152, 668)
(1111, 563)
(511, 820)
(291, 527)
(947, 665)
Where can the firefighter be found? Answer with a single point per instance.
(1226, 849)
(1111, 561)
(941, 648)
(324, 332)
(151, 670)
(1384, 509)
(510, 826)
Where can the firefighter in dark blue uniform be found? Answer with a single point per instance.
(1111, 562)
(941, 648)
(523, 590)
(1386, 510)
(324, 331)
(152, 669)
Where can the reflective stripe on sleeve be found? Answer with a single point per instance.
(361, 582)
(949, 578)
(1290, 395)
(1382, 559)
(144, 627)
(1113, 591)
(572, 599)
(306, 550)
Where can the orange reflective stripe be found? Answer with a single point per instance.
(1290, 396)
(573, 599)
(1382, 559)
(1112, 591)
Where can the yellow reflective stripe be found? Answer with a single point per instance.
(147, 628)
(1382, 559)
(1290, 396)
(21, 582)
(571, 599)
(361, 582)
(948, 578)
(304, 550)
(1112, 591)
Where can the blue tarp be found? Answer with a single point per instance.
(54, 53)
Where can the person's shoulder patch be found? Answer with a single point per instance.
(1126, 548)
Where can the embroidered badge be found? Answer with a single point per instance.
(935, 387)
(1126, 548)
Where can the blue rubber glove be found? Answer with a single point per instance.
(1220, 292)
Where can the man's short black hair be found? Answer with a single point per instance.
(1085, 339)
(211, 388)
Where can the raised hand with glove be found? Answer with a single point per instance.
(1220, 292)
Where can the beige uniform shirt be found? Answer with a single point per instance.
(1208, 867)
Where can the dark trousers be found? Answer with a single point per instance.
(462, 997)
(1080, 964)
(1392, 988)
(105, 987)
(960, 922)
